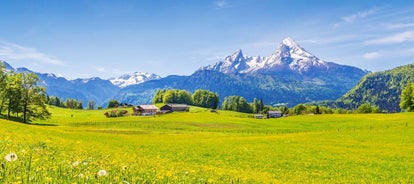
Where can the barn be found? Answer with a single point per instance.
(145, 110)
(274, 114)
(175, 108)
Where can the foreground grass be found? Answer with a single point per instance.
(205, 147)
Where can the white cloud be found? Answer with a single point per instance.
(399, 25)
(372, 55)
(100, 69)
(407, 36)
(11, 51)
(359, 15)
(221, 4)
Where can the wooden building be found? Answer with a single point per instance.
(275, 114)
(175, 108)
(145, 110)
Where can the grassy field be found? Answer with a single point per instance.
(81, 146)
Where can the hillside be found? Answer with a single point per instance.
(380, 88)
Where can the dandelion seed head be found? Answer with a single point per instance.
(11, 157)
(101, 173)
(76, 163)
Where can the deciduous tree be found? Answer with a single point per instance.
(407, 98)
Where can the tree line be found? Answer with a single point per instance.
(70, 103)
(200, 98)
(21, 97)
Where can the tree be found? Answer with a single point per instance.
(261, 105)
(33, 98)
(299, 109)
(91, 104)
(13, 93)
(284, 109)
(172, 96)
(236, 103)
(3, 82)
(205, 98)
(158, 96)
(317, 110)
(168, 97)
(113, 103)
(183, 97)
(364, 108)
(255, 106)
(407, 98)
(79, 104)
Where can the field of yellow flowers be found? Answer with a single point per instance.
(83, 146)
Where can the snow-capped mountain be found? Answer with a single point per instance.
(133, 78)
(288, 57)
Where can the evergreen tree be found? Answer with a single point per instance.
(261, 105)
(79, 104)
(255, 106)
(91, 104)
(317, 110)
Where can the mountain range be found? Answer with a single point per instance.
(289, 76)
(96, 89)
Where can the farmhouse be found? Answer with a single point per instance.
(175, 108)
(274, 114)
(145, 110)
(259, 116)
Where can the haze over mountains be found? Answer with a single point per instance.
(290, 75)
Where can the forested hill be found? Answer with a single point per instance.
(381, 88)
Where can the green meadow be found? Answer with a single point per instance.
(83, 146)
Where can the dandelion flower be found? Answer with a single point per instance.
(74, 164)
(11, 157)
(101, 173)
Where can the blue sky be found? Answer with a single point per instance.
(80, 39)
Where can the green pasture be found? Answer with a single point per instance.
(209, 147)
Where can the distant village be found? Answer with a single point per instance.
(152, 110)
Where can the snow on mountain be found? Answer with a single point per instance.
(133, 78)
(288, 56)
